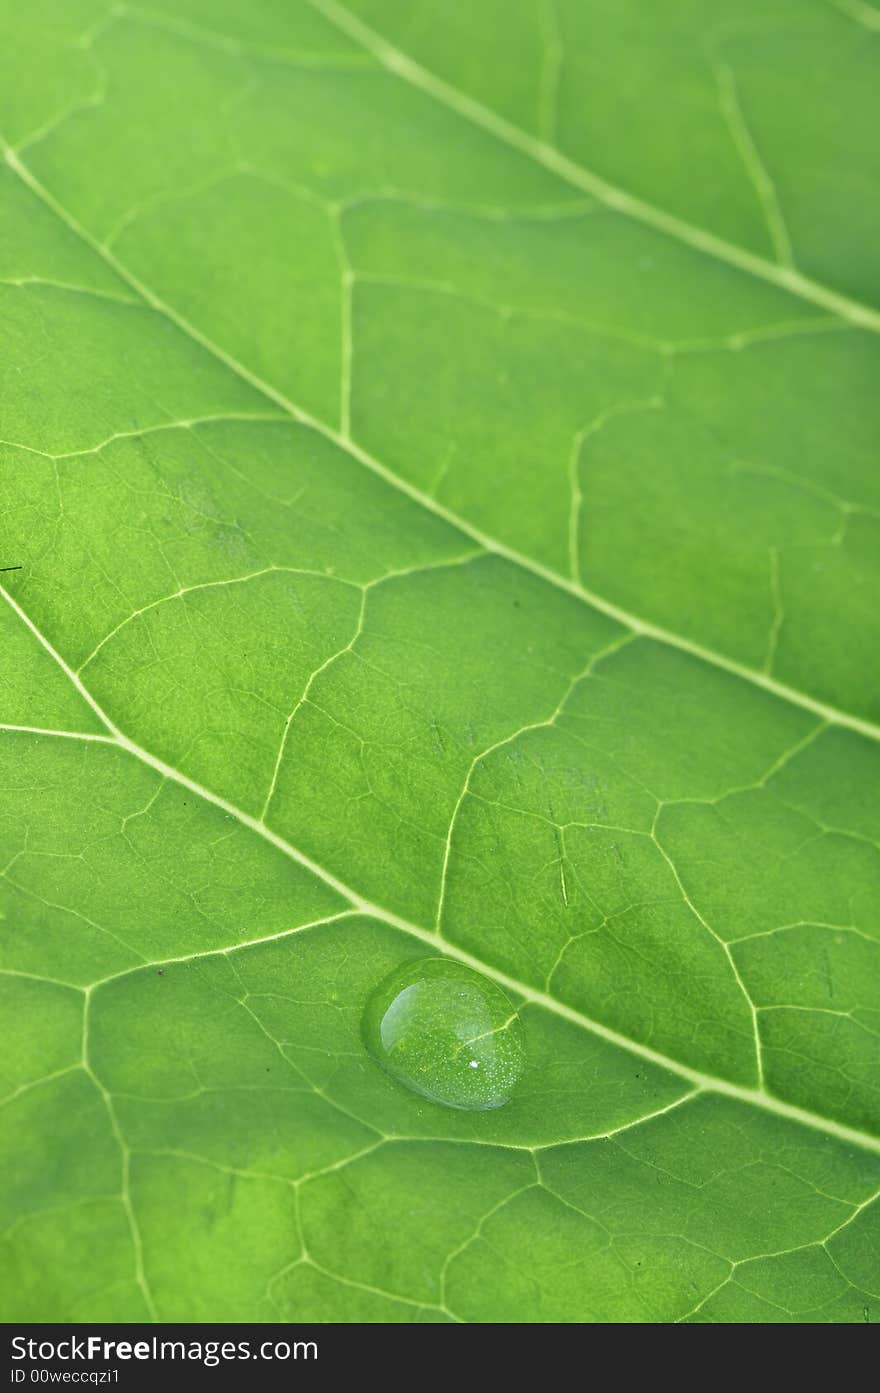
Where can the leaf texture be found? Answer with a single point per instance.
(439, 447)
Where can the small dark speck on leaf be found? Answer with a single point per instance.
(161, 972)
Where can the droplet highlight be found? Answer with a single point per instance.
(448, 1033)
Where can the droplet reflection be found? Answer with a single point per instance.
(447, 1033)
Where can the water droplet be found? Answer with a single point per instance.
(446, 1032)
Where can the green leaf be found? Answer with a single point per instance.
(439, 449)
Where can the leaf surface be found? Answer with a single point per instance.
(439, 448)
